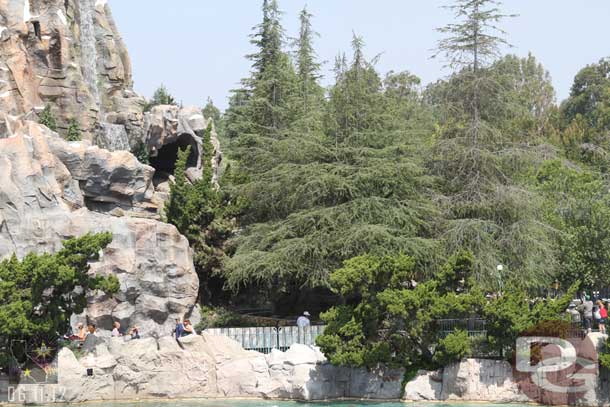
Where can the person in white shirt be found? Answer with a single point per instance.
(116, 331)
(303, 320)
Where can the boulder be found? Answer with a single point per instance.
(425, 386)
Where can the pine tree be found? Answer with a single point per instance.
(160, 97)
(74, 132)
(273, 78)
(46, 118)
(472, 44)
(309, 100)
(356, 98)
(481, 157)
(210, 111)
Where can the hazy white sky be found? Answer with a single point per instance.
(197, 47)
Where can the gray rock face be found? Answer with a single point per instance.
(209, 367)
(48, 187)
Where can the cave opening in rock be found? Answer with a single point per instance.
(165, 160)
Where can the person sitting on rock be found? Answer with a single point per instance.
(116, 331)
(91, 328)
(81, 332)
(188, 328)
(179, 331)
(134, 333)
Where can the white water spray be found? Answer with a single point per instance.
(88, 48)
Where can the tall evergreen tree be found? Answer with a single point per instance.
(309, 99)
(472, 43)
(356, 99)
(482, 157)
(273, 78)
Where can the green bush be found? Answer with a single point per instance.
(74, 132)
(46, 118)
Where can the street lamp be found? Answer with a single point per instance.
(500, 268)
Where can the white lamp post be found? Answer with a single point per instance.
(500, 268)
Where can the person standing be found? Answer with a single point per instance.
(303, 320)
(603, 316)
(588, 314)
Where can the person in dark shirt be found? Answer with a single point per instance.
(179, 331)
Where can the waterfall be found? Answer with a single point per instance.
(88, 48)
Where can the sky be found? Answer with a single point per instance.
(196, 48)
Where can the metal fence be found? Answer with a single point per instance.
(476, 327)
(264, 339)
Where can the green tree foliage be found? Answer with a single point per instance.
(482, 152)
(273, 78)
(210, 111)
(586, 115)
(308, 101)
(512, 314)
(313, 201)
(140, 151)
(356, 99)
(74, 132)
(46, 118)
(39, 293)
(160, 97)
(578, 205)
(199, 213)
(604, 356)
(387, 319)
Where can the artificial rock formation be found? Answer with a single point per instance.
(67, 54)
(496, 381)
(208, 367)
(52, 190)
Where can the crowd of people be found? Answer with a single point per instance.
(82, 332)
(589, 313)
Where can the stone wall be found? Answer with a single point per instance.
(479, 380)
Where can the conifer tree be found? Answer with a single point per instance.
(356, 98)
(309, 98)
(273, 78)
(160, 97)
(210, 111)
(488, 209)
(472, 43)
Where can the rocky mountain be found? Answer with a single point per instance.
(68, 55)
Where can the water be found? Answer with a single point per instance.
(267, 403)
(88, 48)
